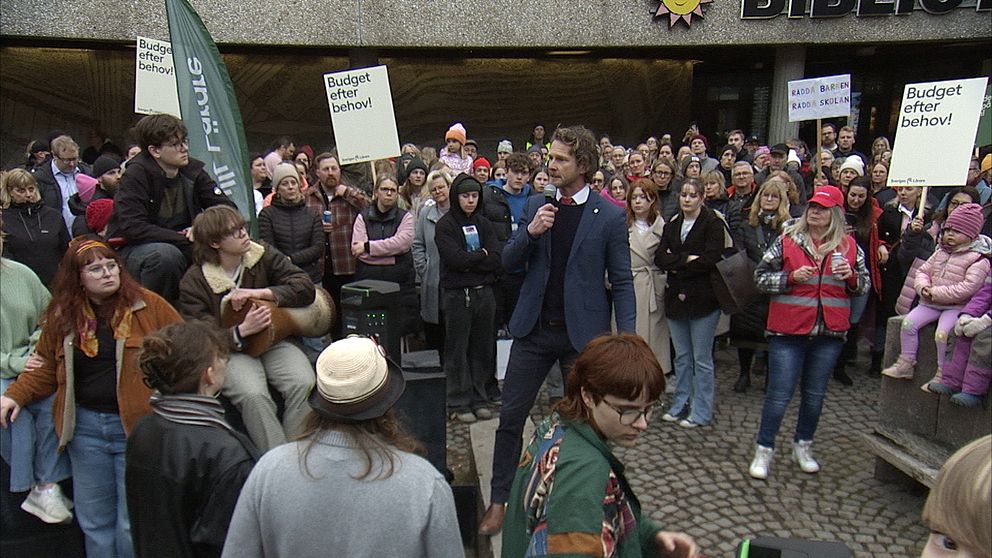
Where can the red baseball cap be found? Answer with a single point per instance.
(828, 196)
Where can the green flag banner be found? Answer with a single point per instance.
(985, 120)
(209, 106)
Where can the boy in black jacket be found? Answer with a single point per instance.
(470, 261)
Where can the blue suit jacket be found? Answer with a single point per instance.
(601, 249)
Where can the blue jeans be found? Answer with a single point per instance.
(693, 340)
(97, 454)
(29, 445)
(808, 362)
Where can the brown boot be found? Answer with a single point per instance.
(492, 521)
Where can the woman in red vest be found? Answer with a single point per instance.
(811, 272)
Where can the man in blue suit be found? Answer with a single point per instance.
(569, 245)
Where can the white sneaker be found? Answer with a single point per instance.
(762, 460)
(47, 505)
(802, 453)
(669, 417)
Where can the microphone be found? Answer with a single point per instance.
(551, 193)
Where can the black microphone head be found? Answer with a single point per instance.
(550, 192)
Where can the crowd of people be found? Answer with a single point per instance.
(552, 243)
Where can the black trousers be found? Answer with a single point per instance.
(531, 358)
(469, 345)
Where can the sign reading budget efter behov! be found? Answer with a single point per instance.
(936, 132)
(361, 107)
(155, 78)
(823, 97)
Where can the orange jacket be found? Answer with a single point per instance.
(151, 313)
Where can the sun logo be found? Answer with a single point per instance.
(681, 9)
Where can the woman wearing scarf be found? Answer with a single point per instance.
(87, 356)
(185, 464)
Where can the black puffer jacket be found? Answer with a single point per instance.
(35, 235)
(296, 231)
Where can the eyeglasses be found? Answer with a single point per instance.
(630, 416)
(237, 231)
(184, 142)
(662, 173)
(68, 160)
(388, 190)
(97, 271)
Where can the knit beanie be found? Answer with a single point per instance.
(456, 132)
(86, 186)
(700, 137)
(967, 219)
(794, 157)
(481, 162)
(103, 165)
(282, 171)
(986, 163)
(465, 183)
(505, 146)
(39, 145)
(854, 163)
(415, 163)
(98, 213)
(536, 148)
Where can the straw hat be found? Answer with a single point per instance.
(355, 381)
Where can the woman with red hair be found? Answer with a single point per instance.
(87, 356)
(569, 494)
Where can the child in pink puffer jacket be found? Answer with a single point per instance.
(945, 283)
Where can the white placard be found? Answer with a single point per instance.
(361, 107)
(823, 97)
(936, 132)
(155, 78)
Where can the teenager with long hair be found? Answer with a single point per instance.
(353, 466)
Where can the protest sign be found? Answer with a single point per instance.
(823, 97)
(154, 78)
(936, 131)
(361, 107)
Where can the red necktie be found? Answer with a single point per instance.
(567, 200)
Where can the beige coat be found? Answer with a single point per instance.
(649, 291)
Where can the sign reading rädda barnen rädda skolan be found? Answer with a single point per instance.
(822, 97)
(361, 107)
(936, 132)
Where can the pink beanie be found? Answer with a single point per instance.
(967, 219)
(85, 185)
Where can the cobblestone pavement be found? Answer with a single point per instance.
(696, 480)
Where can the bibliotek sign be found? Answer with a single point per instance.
(361, 107)
(936, 132)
